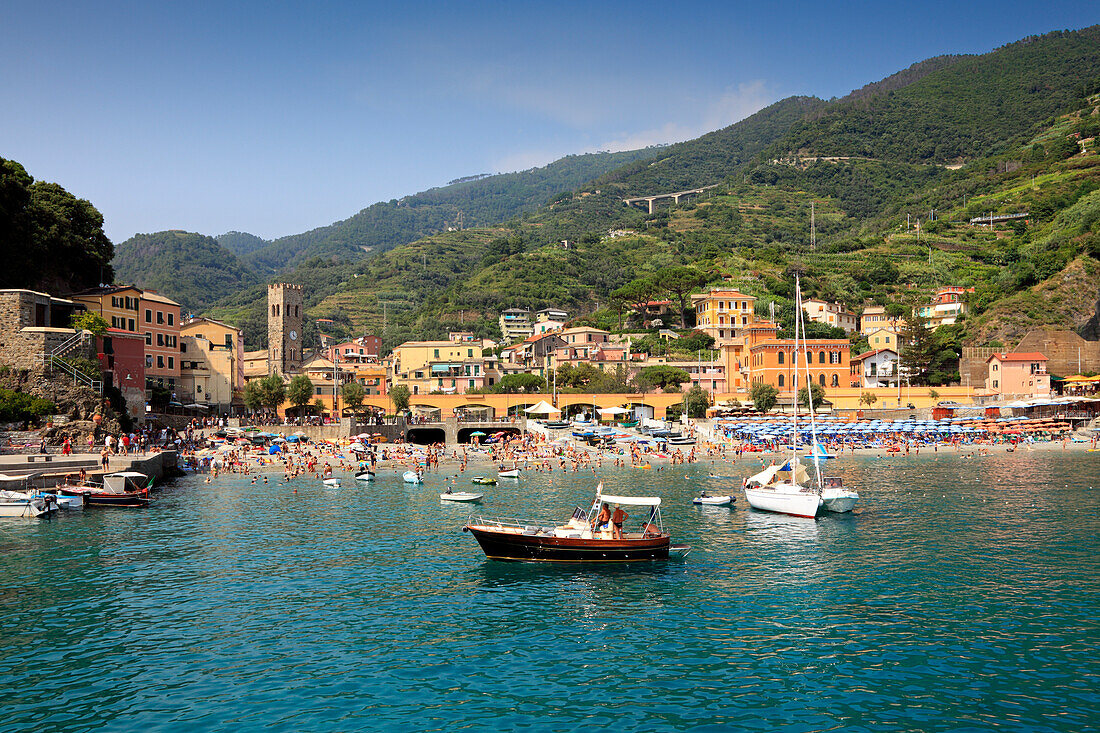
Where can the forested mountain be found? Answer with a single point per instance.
(241, 243)
(973, 107)
(710, 158)
(51, 241)
(190, 268)
(903, 78)
(1016, 123)
(478, 202)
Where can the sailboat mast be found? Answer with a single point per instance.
(794, 421)
(809, 396)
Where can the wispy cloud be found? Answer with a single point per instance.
(693, 118)
(731, 106)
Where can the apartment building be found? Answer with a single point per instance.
(831, 314)
(874, 317)
(723, 312)
(212, 363)
(875, 368)
(146, 312)
(828, 360)
(440, 366)
(1019, 374)
(515, 323)
(160, 320)
(946, 307)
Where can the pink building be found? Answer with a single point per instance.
(362, 350)
(1023, 374)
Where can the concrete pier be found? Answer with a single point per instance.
(49, 472)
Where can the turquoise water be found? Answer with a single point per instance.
(964, 597)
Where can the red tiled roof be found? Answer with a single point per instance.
(869, 354)
(1023, 356)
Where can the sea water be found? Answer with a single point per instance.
(963, 596)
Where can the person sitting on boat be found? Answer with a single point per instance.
(604, 517)
(617, 520)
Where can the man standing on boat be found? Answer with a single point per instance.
(617, 520)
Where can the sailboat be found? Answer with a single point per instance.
(788, 488)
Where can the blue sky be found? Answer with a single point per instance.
(278, 117)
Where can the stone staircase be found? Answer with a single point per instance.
(55, 361)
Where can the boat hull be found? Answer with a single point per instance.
(793, 502)
(508, 474)
(31, 508)
(512, 546)
(366, 476)
(108, 499)
(712, 500)
(461, 496)
(839, 501)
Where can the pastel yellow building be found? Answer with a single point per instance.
(722, 312)
(439, 366)
(883, 338)
(211, 363)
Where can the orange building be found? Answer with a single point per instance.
(772, 362)
(160, 320)
(131, 309)
(736, 352)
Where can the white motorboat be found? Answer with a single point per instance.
(64, 502)
(512, 473)
(707, 500)
(413, 477)
(333, 482)
(465, 496)
(836, 498)
(20, 504)
(788, 488)
(365, 476)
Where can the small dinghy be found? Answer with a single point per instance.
(412, 477)
(333, 482)
(706, 500)
(365, 476)
(485, 481)
(465, 496)
(514, 473)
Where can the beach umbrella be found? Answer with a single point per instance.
(272, 450)
(359, 447)
(293, 439)
(477, 434)
(542, 407)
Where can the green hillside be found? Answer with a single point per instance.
(1039, 273)
(753, 227)
(710, 158)
(479, 202)
(190, 268)
(241, 243)
(973, 107)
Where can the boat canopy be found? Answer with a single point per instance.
(632, 500)
(765, 477)
(127, 474)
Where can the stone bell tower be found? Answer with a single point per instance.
(284, 328)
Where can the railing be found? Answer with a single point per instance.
(56, 360)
